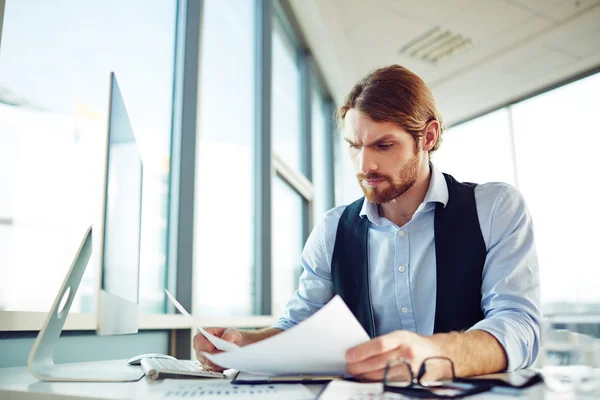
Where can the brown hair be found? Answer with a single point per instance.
(394, 94)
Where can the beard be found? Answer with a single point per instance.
(406, 178)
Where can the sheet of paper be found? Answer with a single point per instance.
(178, 389)
(342, 390)
(219, 343)
(318, 345)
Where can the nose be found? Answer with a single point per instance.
(366, 161)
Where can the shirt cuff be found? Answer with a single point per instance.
(283, 324)
(500, 329)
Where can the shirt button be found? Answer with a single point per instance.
(401, 233)
(404, 309)
(401, 268)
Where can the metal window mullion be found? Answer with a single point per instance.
(2, 5)
(305, 116)
(263, 168)
(293, 177)
(305, 145)
(183, 162)
(329, 140)
(513, 145)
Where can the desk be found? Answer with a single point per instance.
(18, 384)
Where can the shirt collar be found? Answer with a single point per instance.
(436, 193)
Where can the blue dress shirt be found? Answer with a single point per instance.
(403, 270)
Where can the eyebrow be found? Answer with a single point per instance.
(389, 136)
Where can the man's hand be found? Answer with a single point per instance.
(202, 344)
(474, 352)
(239, 337)
(367, 361)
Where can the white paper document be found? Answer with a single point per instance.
(219, 343)
(218, 390)
(342, 390)
(317, 345)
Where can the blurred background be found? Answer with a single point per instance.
(241, 154)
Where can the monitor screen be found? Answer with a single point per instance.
(122, 220)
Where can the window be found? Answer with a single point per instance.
(555, 139)
(287, 243)
(285, 100)
(347, 188)
(551, 162)
(479, 151)
(292, 191)
(224, 200)
(320, 138)
(54, 86)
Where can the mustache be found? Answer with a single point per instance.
(372, 176)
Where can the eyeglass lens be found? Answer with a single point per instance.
(436, 371)
(433, 372)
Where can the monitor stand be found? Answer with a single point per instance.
(41, 359)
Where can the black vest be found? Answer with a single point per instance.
(459, 252)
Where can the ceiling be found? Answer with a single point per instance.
(518, 46)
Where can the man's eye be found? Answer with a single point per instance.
(384, 146)
(354, 146)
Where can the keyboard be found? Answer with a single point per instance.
(159, 368)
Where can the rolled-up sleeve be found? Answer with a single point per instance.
(511, 284)
(315, 287)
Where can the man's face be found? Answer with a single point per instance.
(386, 158)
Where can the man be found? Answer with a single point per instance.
(428, 265)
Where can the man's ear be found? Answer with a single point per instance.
(431, 134)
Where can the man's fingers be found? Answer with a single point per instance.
(372, 376)
(377, 362)
(208, 365)
(233, 336)
(202, 344)
(379, 345)
(218, 332)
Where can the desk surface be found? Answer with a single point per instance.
(18, 383)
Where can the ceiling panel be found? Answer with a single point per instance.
(484, 87)
(432, 12)
(387, 31)
(575, 30)
(488, 19)
(520, 45)
(492, 49)
(539, 62)
(567, 8)
(587, 46)
(538, 6)
(352, 13)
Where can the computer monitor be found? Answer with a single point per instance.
(2, 4)
(119, 261)
(118, 296)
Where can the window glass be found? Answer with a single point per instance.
(347, 188)
(479, 150)
(55, 62)
(285, 116)
(287, 243)
(319, 136)
(555, 137)
(224, 205)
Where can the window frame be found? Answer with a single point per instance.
(180, 272)
(583, 314)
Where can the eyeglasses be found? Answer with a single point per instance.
(436, 378)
